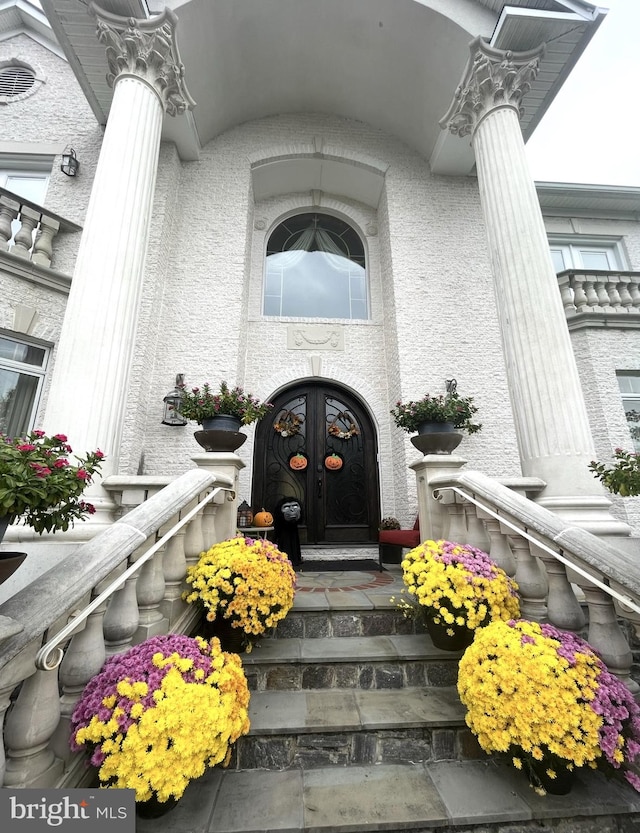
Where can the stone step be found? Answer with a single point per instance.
(367, 662)
(314, 623)
(310, 729)
(484, 796)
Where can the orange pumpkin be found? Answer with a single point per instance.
(263, 518)
(298, 462)
(333, 462)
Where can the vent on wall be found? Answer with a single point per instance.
(15, 80)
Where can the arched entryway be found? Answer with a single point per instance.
(319, 445)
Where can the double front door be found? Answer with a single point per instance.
(318, 445)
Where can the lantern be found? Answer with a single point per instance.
(245, 515)
(172, 401)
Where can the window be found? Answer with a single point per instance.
(22, 369)
(586, 256)
(315, 268)
(630, 389)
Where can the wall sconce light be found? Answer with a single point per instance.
(451, 385)
(69, 165)
(172, 415)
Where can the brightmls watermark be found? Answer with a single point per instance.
(67, 811)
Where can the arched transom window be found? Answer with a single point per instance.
(315, 269)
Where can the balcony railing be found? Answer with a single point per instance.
(27, 230)
(615, 295)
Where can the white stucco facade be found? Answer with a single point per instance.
(199, 309)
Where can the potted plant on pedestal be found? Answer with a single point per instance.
(221, 413)
(439, 420)
(546, 700)
(40, 486)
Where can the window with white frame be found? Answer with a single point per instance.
(629, 383)
(315, 268)
(599, 255)
(26, 175)
(23, 364)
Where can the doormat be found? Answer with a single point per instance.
(366, 565)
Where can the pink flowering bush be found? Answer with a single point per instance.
(41, 485)
(540, 694)
(622, 477)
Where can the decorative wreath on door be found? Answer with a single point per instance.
(288, 424)
(344, 418)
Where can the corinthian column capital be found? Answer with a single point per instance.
(146, 49)
(492, 78)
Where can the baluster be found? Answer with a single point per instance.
(499, 548)
(614, 296)
(193, 539)
(5, 701)
(122, 617)
(566, 294)
(476, 534)
(8, 212)
(603, 295)
(83, 659)
(43, 246)
(175, 570)
(30, 725)
(625, 297)
(606, 636)
(530, 578)
(563, 608)
(634, 292)
(150, 592)
(579, 295)
(23, 240)
(209, 524)
(592, 295)
(457, 528)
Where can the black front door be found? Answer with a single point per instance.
(319, 446)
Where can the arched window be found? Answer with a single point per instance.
(315, 268)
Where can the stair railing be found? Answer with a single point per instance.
(116, 590)
(548, 557)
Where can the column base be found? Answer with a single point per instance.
(589, 512)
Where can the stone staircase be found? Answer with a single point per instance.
(356, 726)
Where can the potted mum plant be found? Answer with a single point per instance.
(546, 700)
(40, 486)
(245, 587)
(623, 476)
(142, 716)
(459, 589)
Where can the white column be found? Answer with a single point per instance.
(88, 393)
(550, 416)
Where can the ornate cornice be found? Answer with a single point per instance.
(148, 50)
(492, 78)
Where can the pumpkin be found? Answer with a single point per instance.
(263, 518)
(333, 462)
(298, 462)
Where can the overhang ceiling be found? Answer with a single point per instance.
(394, 64)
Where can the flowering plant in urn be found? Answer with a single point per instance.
(248, 582)
(459, 584)
(204, 402)
(543, 696)
(451, 408)
(142, 716)
(41, 485)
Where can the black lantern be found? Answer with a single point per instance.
(245, 515)
(69, 164)
(172, 400)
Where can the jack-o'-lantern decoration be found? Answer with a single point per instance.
(263, 518)
(298, 462)
(333, 462)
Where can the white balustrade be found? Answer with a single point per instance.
(606, 292)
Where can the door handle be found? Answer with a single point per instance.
(319, 484)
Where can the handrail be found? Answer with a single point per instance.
(42, 661)
(65, 225)
(524, 533)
